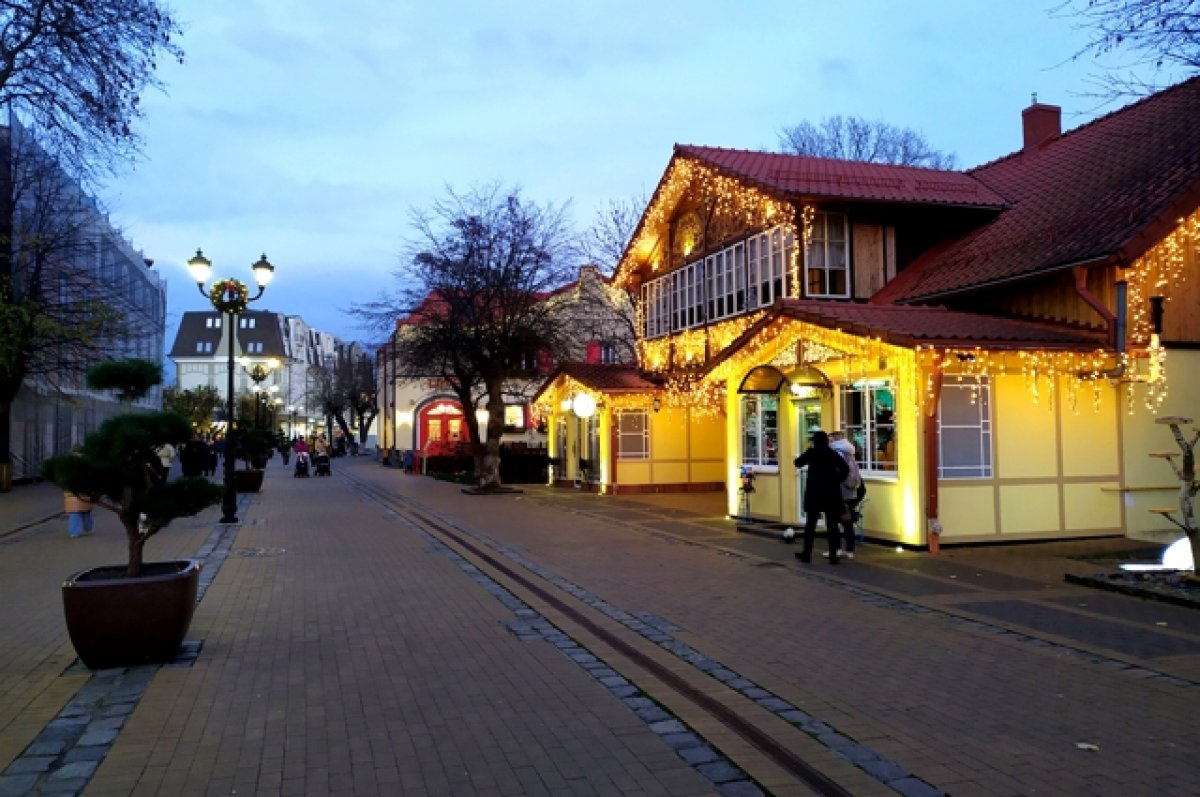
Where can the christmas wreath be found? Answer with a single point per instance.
(229, 296)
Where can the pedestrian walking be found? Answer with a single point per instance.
(822, 494)
(166, 455)
(852, 491)
(79, 515)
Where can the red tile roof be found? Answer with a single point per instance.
(799, 177)
(609, 378)
(1105, 191)
(909, 325)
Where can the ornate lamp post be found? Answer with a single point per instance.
(229, 296)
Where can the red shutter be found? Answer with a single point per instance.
(593, 352)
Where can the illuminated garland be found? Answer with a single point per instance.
(728, 197)
(1162, 266)
(229, 295)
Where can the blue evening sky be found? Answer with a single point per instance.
(308, 129)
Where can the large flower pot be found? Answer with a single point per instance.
(247, 481)
(115, 621)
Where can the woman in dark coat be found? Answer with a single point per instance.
(822, 493)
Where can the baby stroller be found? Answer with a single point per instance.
(301, 465)
(321, 465)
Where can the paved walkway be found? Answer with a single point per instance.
(346, 651)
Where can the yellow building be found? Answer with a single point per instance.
(996, 342)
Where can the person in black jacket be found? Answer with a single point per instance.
(822, 493)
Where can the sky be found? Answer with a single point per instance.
(310, 130)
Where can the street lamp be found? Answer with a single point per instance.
(229, 296)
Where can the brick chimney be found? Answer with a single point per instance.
(1041, 125)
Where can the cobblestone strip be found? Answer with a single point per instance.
(63, 757)
(529, 624)
(658, 631)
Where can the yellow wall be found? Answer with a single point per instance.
(1055, 469)
(1150, 483)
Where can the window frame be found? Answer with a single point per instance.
(978, 392)
(823, 244)
(761, 434)
(623, 435)
(863, 426)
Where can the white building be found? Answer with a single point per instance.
(284, 344)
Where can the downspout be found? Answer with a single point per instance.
(1110, 321)
(933, 525)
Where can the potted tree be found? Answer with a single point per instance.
(139, 611)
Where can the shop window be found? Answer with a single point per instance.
(965, 429)
(869, 420)
(633, 434)
(760, 429)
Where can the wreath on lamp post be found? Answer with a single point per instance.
(229, 295)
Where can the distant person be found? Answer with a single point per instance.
(320, 445)
(79, 515)
(822, 494)
(852, 491)
(194, 457)
(166, 456)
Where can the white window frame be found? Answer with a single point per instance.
(863, 419)
(635, 444)
(973, 396)
(759, 414)
(821, 250)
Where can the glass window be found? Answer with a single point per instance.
(965, 429)
(869, 419)
(633, 434)
(760, 429)
(514, 417)
(827, 262)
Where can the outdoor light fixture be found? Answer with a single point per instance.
(656, 404)
(230, 297)
(583, 405)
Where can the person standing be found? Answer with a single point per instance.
(79, 515)
(822, 494)
(850, 490)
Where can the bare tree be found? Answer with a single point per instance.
(858, 139)
(75, 70)
(603, 243)
(473, 290)
(1132, 36)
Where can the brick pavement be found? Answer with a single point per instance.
(342, 654)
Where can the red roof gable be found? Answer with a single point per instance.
(825, 178)
(1105, 191)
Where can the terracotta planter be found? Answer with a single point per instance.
(247, 481)
(116, 622)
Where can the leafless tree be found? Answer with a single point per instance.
(603, 243)
(858, 139)
(473, 286)
(75, 70)
(1128, 37)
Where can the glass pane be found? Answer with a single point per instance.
(837, 283)
(961, 449)
(957, 409)
(837, 227)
